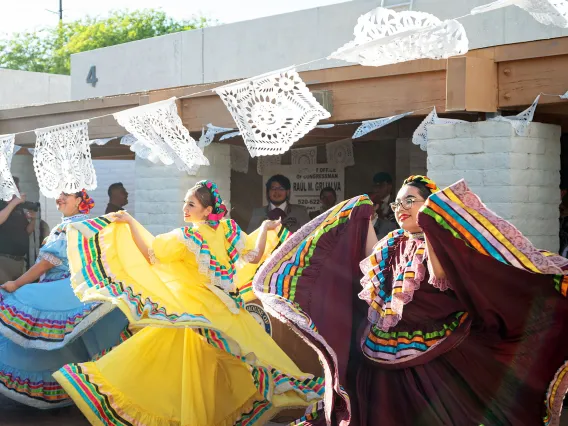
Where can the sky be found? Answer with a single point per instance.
(27, 15)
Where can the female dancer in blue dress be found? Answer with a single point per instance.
(43, 325)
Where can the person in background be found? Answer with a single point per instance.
(383, 220)
(328, 199)
(117, 198)
(381, 196)
(279, 207)
(43, 232)
(15, 229)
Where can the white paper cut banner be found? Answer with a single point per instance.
(229, 135)
(8, 187)
(564, 96)
(100, 142)
(266, 162)
(272, 111)
(139, 149)
(235, 134)
(547, 12)
(305, 155)
(207, 136)
(62, 159)
(158, 128)
(371, 125)
(384, 37)
(340, 153)
(239, 159)
(420, 136)
(521, 121)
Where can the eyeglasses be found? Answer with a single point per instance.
(277, 188)
(405, 204)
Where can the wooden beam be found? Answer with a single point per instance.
(27, 119)
(116, 103)
(353, 100)
(531, 50)
(521, 81)
(471, 84)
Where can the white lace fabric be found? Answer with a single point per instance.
(250, 256)
(48, 257)
(62, 159)
(272, 111)
(384, 36)
(547, 12)
(161, 136)
(7, 185)
(420, 136)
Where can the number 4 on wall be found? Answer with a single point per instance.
(92, 76)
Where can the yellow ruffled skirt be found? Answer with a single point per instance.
(194, 363)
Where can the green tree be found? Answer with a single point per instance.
(50, 49)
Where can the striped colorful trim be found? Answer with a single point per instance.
(461, 212)
(285, 274)
(94, 274)
(28, 325)
(387, 295)
(233, 237)
(98, 402)
(221, 276)
(312, 414)
(561, 284)
(47, 392)
(247, 288)
(399, 345)
(215, 268)
(268, 381)
(555, 396)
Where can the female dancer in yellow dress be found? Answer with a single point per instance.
(201, 358)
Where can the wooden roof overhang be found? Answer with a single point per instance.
(501, 78)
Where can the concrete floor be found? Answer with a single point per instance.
(14, 414)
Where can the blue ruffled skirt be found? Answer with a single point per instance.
(44, 326)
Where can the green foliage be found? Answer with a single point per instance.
(50, 49)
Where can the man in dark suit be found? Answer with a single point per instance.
(383, 219)
(278, 195)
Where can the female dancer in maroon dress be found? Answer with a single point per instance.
(467, 322)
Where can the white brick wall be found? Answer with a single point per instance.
(410, 160)
(109, 172)
(160, 190)
(517, 177)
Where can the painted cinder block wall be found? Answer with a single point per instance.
(516, 176)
